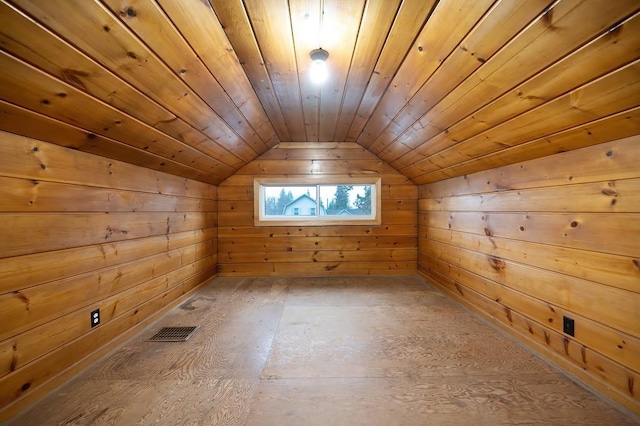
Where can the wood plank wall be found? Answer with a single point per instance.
(246, 250)
(529, 243)
(80, 232)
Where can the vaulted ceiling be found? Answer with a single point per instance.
(199, 88)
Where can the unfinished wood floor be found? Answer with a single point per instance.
(323, 351)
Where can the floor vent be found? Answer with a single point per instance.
(173, 334)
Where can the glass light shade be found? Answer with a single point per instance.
(319, 72)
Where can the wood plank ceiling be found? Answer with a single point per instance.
(200, 88)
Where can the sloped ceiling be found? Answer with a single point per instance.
(200, 88)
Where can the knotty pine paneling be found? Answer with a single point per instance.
(80, 232)
(529, 243)
(246, 250)
(549, 72)
(434, 88)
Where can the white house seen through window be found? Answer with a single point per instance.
(341, 201)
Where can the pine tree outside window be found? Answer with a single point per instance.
(337, 200)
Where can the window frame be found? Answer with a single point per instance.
(261, 219)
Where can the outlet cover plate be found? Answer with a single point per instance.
(95, 318)
(568, 326)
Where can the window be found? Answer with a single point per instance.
(337, 200)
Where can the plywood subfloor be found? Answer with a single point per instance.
(323, 351)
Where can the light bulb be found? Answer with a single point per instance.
(319, 71)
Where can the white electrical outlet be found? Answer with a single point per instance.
(95, 318)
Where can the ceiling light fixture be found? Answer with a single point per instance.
(319, 72)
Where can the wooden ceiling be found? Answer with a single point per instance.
(199, 88)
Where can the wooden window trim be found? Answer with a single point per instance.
(259, 219)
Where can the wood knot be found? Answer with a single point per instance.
(74, 77)
(488, 232)
(574, 224)
(459, 289)
(497, 263)
(22, 297)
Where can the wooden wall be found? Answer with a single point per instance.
(529, 243)
(80, 232)
(246, 250)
